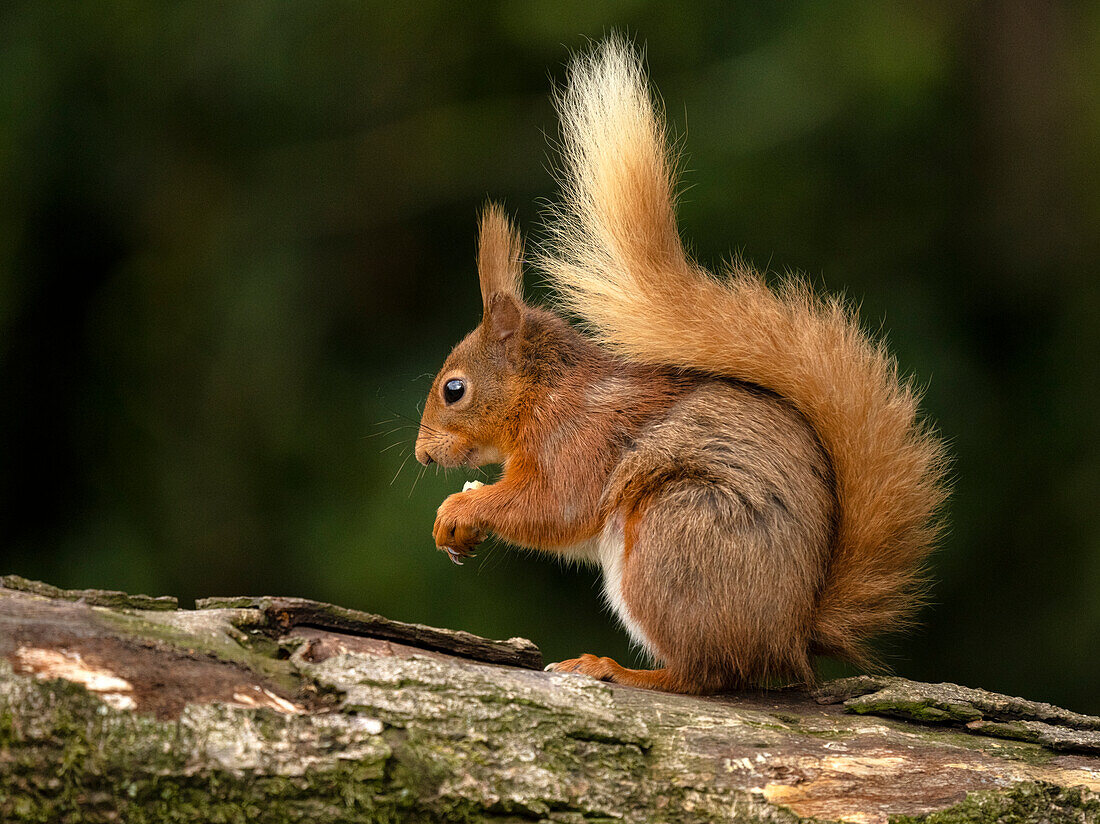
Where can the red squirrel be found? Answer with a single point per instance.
(744, 464)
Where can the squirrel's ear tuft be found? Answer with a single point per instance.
(499, 256)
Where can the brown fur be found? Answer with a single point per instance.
(726, 518)
(753, 451)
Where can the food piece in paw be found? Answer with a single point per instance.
(466, 487)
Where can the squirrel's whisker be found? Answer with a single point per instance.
(383, 434)
(416, 480)
(398, 472)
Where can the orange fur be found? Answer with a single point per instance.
(745, 464)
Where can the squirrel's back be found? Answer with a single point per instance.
(615, 257)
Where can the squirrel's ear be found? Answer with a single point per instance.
(503, 316)
(499, 256)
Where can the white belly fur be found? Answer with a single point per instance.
(609, 548)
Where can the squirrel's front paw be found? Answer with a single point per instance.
(456, 531)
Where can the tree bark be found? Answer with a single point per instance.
(119, 708)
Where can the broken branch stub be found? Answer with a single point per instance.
(287, 613)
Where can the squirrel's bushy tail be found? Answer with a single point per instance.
(616, 260)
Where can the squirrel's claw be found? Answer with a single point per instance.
(455, 554)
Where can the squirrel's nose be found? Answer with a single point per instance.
(420, 449)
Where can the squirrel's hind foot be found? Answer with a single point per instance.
(607, 669)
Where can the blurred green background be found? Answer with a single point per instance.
(237, 239)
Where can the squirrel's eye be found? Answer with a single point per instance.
(453, 390)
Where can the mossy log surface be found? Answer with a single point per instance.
(123, 708)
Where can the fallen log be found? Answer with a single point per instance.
(125, 708)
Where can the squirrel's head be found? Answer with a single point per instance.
(465, 420)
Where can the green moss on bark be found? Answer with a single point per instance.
(1031, 803)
